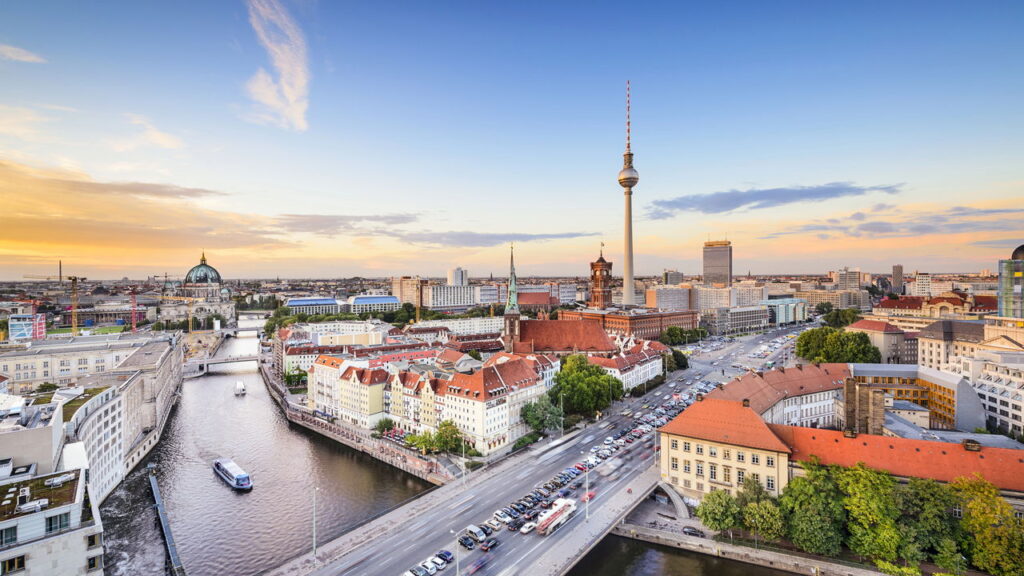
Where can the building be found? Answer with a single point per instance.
(716, 444)
(26, 327)
(735, 320)
(209, 296)
(940, 341)
(802, 396)
(668, 298)
(749, 293)
(955, 305)
(922, 285)
(313, 306)
(467, 326)
(897, 278)
(52, 526)
(895, 345)
(408, 289)
(671, 277)
(449, 298)
(458, 277)
(847, 279)
(785, 311)
(600, 283)
(950, 399)
(998, 378)
(718, 263)
(710, 298)
(640, 323)
(486, 294)
(1011, 285)
(839, 299)
(364, 303)
(634, 367)
(628, 178)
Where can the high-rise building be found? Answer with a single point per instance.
(848, 279)
(600, 283)
(1011, 285)
(458, 277)
(897, 278)
(409, 289)
(628, 177)
(717, 262)
(922, 285)
(671, 278)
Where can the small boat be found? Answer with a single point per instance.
(232, 474)
(239, 388)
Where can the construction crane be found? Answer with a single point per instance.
(190, 303)
(74, 295)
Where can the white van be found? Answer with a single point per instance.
(476, 533)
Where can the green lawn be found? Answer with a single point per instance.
(94, 330)
(73, 405)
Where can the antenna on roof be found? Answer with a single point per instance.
(627, 118)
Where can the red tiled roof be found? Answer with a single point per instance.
(946, 299)
(768, 388)
(492, 381)
(874, 326)
(565, 336)
(724, 421)
(535, 299)
(905, 457)
(904, 303)
(366, 376)
(986, 303)
(329, 361)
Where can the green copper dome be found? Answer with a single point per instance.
(203, 273)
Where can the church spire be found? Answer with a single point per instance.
(202, 260)
(512, 304)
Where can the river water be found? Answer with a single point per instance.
(221, 532)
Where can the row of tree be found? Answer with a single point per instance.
(584, 388)
(197, 323)
(841, 318)
(828, 344)
(898, 526)
(674, 336)
(447, 438)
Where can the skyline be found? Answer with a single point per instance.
(268, 133)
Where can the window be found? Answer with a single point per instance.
(675, 444)
(756, 477)
(686, 483)
(12, 565)
(713, 471)
(770, 481)
(700, 468)
(686, 466)
(58, 522)
(675, 463)
(739, 476)
(712, 451)
(740, 457)
(726, 474)
(958, 512)
(700, 486)
(93, 540)
(700, 448)
(686, 446)
(675, 480)
(755, 459)
(725, 454)
(94, 563)
(8, 536)
(769, 461)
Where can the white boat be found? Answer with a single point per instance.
(232, 474)
(239, 388)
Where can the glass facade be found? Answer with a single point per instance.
(1011, 288)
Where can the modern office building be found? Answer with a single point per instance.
(717, 263)
(448, 298)
(671, 277)
(668, 298)
(848, 279)
(1011, 285)
(26, 327)
(785, 311)
(312, 306)
(458, 277)
(897, 278)
(369, 303)
(735, 319)
(408, 289)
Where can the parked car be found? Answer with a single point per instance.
(528, 527)
(691, 531)
(446, 556)
(467, 542)
(489, 544)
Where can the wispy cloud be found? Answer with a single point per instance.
(8, 52)
(20, 122)
(151, 135)
(13, 175)
(283, 97)
(481, 239)
(759, 198)
(956, 220)
(332, 224)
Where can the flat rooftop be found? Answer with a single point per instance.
(61, 495)
(903, 428)
(149, 354)
(79, 343)
(35, 416)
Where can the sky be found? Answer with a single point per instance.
(302, 138)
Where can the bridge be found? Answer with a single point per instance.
(382, 545)
(195, 367)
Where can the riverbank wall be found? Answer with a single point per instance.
(388, 452)
(760, 557)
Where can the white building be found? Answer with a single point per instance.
(669, 298)
(313, 306)
(806, 395)
(632, 369)
(448, 297)
(998, 378)
(466, 326)
(736, 319)
(370, 303)
(748, 293)
(709, 298)
(458, 277)
(783, 311)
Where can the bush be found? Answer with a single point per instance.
(47, 387)
(473, 465)
(526, 441)
(572, 420)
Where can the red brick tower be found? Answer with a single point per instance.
(600, 283)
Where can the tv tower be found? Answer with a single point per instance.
(628, 177)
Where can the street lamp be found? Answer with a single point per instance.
(458, 570)
(586, 491)
(315, 490)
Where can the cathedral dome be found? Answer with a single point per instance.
(202, 274)
(1018, 254)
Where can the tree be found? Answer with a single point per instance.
(823, 308)
(541, 415)
(682, 362)
(423, 442)
(895, 570)
(668, 362)
(294, 377)
(764, 519)
(448, 437)
(842, 318)
(869, 499)
(828, 344)
(812, 506)
(751, 492)
(384, 424)
(584, 387)
(995, 536)
(949, 558)
(924, 508)
(719, 512)
(474, 354)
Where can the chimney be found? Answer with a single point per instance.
(746, 402)
(972, 445)
(849, 433)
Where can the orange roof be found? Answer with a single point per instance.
(565, 336)
(492, 381)
(986, 302)
(329, 361)
(724, 421)
(905, 457)
(904, 303)
(874, 326)
(535, 299)
(365, 376)
(766, 389)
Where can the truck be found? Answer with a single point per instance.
(561, 511)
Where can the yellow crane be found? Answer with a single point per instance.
(74, 295)
(190, 301)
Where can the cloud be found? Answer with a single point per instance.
(281, 100)
(8, 52)
(956, 220)
(20, 122)
(759, 198)
(1008, 243)
(153, 136)
(331, 224)
(482, 239)
(13, 175)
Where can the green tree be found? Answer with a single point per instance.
(448, 437)
(384, 424)
(823, 308)
(541, 415)
(869, 499)
(764, 519)
(751, 492)
(842, 318)
(669, 363)
(294, 377)
(949, 558)
(828, 344)
(812, 506)
(924, 508)
(896, 570)
(474, 354)
(682, 362)
(995, 536)
(585, 388)
(423, 442)
(719, 512)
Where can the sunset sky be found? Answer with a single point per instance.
(298, 138)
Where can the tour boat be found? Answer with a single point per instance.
(232, 474)
(239, 388)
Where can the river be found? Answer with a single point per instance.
(221, 532)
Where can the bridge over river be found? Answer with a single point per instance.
(392, 543)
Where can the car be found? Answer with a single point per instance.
(608, 440)
(467, 542)
(545, 504)
(420, 571)
(502, 516)
(494, 524)
(588, 496)
(477, 566)
(489, 544)
(518, 507)
(531, 514)
(516, 524)
(528, 527)
(446, 556)
(565, 492)
(437, 562)
(581, 466)
(691, 531)
(487, 529)
(429, 567)
(577, 484)
(544, 492)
